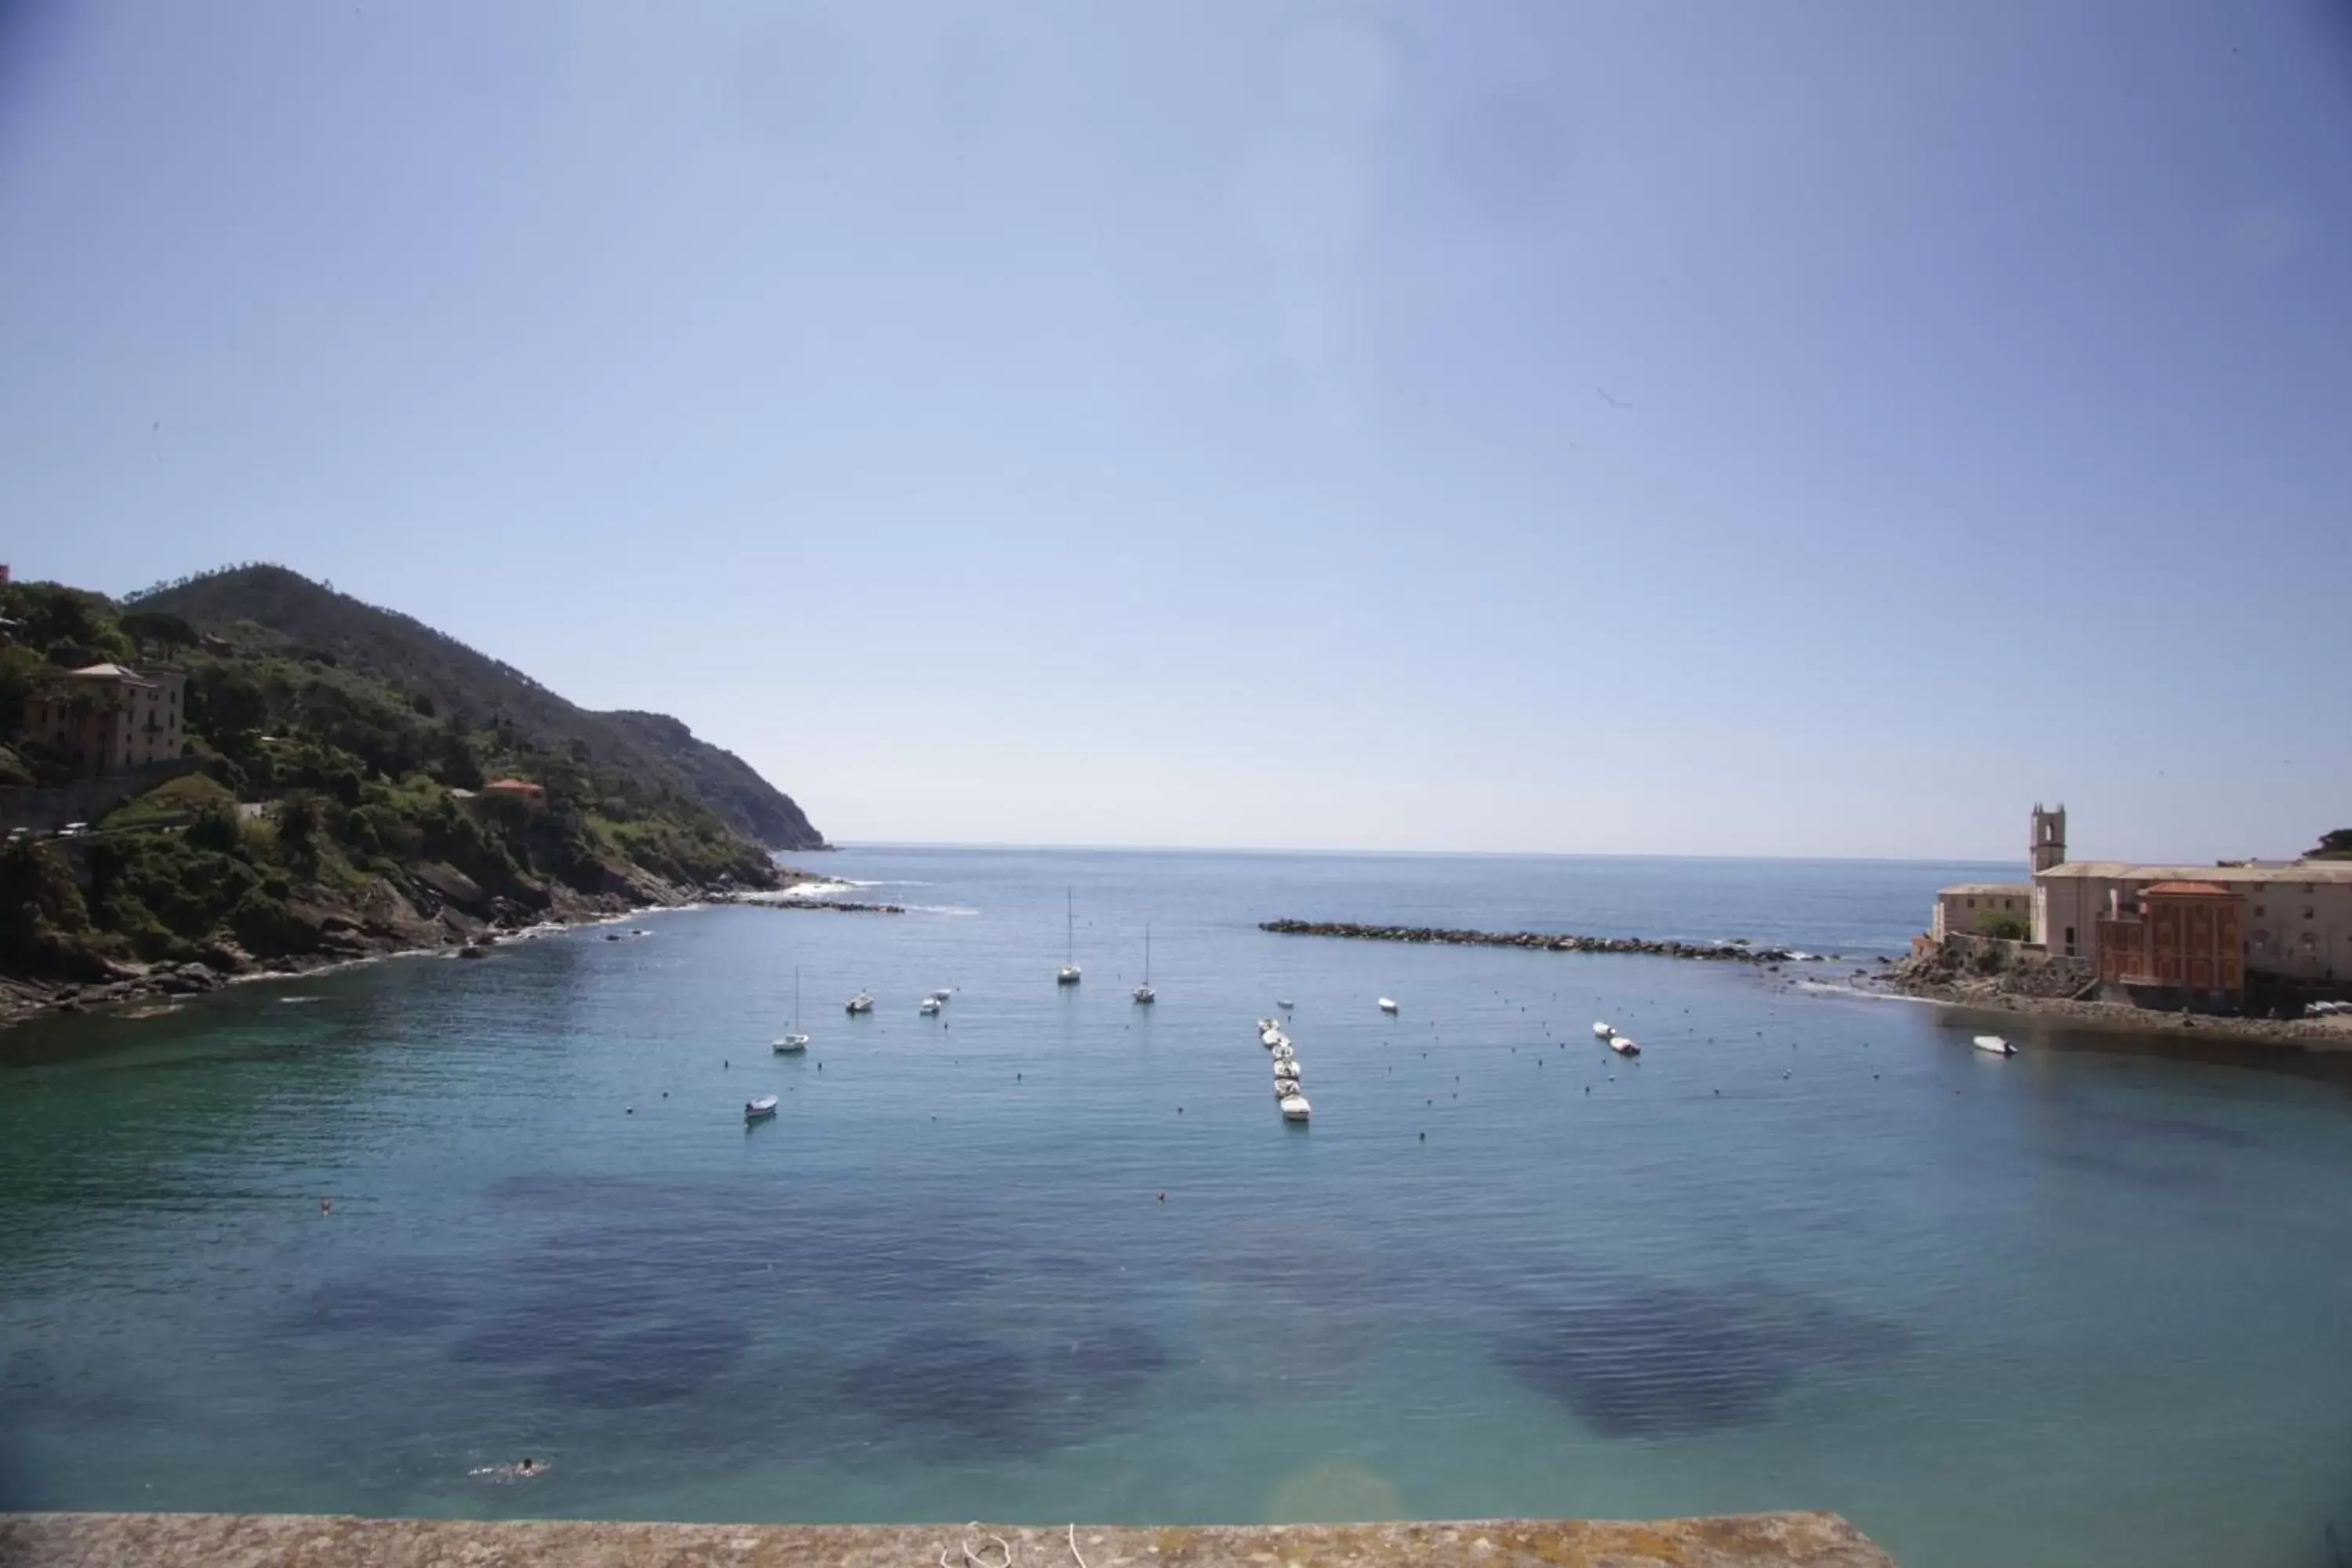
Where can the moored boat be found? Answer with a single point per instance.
(791, 1040)
(1068, 974)
(759, 1109)
(1995, 1044)
(1295, 1107)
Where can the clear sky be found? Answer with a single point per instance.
(1807, 429)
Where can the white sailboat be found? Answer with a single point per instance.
(1069, 975)
(1144, 993)
(786, 1044)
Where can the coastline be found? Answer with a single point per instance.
(1985, 1000)
(148, 990)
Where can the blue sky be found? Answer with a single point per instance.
(1816, 428)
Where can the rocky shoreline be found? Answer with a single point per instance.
(336, 938)
(1936, 978)
(1737, 952)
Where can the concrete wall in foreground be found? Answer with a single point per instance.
(301, 1541)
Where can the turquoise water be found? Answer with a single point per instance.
(2079, 1307)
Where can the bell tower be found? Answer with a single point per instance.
(2049, 842)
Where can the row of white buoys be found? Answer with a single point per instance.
(1289, 1086)
(1621, 1044)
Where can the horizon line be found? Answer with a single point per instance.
(1425, 854)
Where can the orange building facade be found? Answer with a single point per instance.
(2185, 937)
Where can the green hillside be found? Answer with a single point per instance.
(330, 806)
(271, 607)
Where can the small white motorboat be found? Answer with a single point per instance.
(1295, 1107)
(1388, 1006)
(942, 993)
(1290, 1067)
(928, 1006)
(861, 1003)
(1273, 1040)
(1604, 1030)
(1284, 1002)
(759, 1109)
(1284, 1088)
(1623, 1046)
(1995, 1044)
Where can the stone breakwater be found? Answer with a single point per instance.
(840, 905)
(1550, 941)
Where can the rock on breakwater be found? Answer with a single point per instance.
(1550, 942)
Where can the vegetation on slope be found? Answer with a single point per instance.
(330, 806)
(269, 607)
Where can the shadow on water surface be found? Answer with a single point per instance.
(946, 1388)
(1637, 1359)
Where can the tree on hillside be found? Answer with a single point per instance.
(156, 633)
(70, 626)
(2334, 846)
(301, 816)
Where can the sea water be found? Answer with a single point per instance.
(1052, 1254)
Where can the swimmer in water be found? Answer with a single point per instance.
(502, 1474)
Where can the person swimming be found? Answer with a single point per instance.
(523, 1469)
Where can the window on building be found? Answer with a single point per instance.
(2258, 911)
(2070, 940)
(1972, 903)
(2306, 911)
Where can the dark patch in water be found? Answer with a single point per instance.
(950, 1389)
(2165, 1176)
(2183, 1128)
(1667, 1360)
(645, 1366)
(649, 1303)
(376, 1306)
